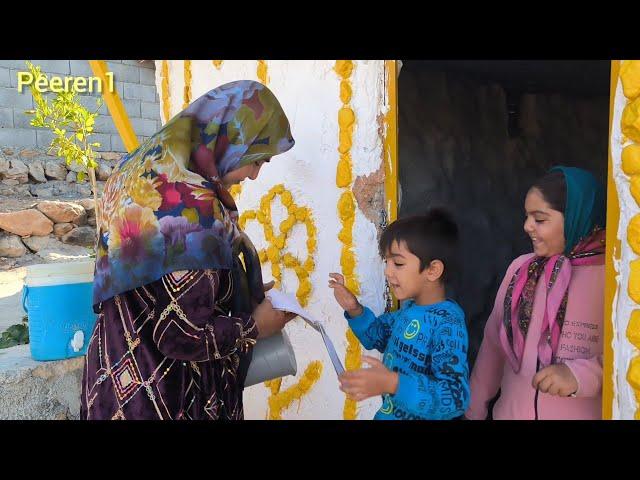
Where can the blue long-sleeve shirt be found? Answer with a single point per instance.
(427, 346)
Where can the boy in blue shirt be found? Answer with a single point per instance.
(424, 374)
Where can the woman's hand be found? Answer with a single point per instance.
(556, 380)
(344, 297)
(269, 320)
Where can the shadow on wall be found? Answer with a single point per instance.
(455, 151)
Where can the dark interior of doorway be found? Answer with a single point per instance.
(474, 135)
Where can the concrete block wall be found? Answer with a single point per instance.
(134, 81)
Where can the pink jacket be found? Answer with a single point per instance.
(580, 349)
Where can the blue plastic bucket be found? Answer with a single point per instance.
(57, 298)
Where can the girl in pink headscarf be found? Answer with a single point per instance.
(542, 346)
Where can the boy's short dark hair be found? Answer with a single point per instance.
(432, 236)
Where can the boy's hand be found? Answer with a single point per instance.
(344, 297)
(556, 380)
(369, 382)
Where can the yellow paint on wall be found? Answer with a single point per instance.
(631, 159)
(280, 401)
(187, 84)
(166, 100)
(630, 78)
(262, 71)
(347, 210)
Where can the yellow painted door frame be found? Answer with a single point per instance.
(613, 215)
(115, 106)
(391, 141)
(390, 151)
(612, 253)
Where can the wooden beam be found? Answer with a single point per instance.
(115, 106)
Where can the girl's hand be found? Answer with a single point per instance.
(344, 297)
(368, 382)
(556, 380)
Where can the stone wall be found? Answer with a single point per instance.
(32, 173)
(45, 213)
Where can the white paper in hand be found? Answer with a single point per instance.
(289, 303)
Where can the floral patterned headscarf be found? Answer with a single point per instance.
(164, 207)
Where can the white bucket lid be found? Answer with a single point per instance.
(59, 273)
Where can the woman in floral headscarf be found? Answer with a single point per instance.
(178, 311)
